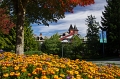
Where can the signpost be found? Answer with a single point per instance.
(103, 39)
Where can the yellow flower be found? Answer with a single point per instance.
(29, 74)
(70, 72)
(90, 77)
(43, 77)
(34, 72)
(52, 72)
(78, 75)
(39, 69)
(60, 78)
(6, 75)
(12, 73)
(23, 70)
(36, 78)
(4, 67)
(62, 75)
(43, 72)
(57, 69)
(17, 73)
(8, 64)
(97, 77)
(55, 76)
(16, 68)
(76, 72)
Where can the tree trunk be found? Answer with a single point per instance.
(20, 11)
(20, 32)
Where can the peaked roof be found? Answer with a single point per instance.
(75, 28)
(71, 27)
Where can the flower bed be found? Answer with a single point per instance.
(45, 66)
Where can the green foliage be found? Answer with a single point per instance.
(52, 45)
(76, 46)
(92, 35)
(33, 52)
(38, 11)
(29, 39)
(76, 41)
(8, 41)
(111, 23)
(2, 41)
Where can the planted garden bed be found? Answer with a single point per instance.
(45, 66)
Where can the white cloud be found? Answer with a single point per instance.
(77, 18)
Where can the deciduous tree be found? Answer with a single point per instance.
(5, 26)
(39, 11)
(5, 23)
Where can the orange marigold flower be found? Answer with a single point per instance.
(29, 74)
(6, 75)
(16, 68)
(23, 70)
(62, 75)
(43, 77)
(4, 67)
(17, 73)
(12, 73)
(55, 76)
(52, 72)
(43, 72)
(36, 78)
(34, 72)
(119, 74)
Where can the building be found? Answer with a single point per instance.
(39, 38)
(67, 36)
(64, 37)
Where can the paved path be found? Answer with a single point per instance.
(115, 61)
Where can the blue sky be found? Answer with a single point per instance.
(77, 18)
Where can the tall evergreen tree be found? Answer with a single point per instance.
(29, 40)
(92, 34)
(111, 22)
(10, 40)
(7, 41)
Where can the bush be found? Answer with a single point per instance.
(33, 52)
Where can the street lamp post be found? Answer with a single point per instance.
(63, 42)
(62, 50)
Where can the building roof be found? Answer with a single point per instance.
(66, 37)
(71, 27)
(75, 28)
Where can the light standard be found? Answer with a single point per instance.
(63, 42)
